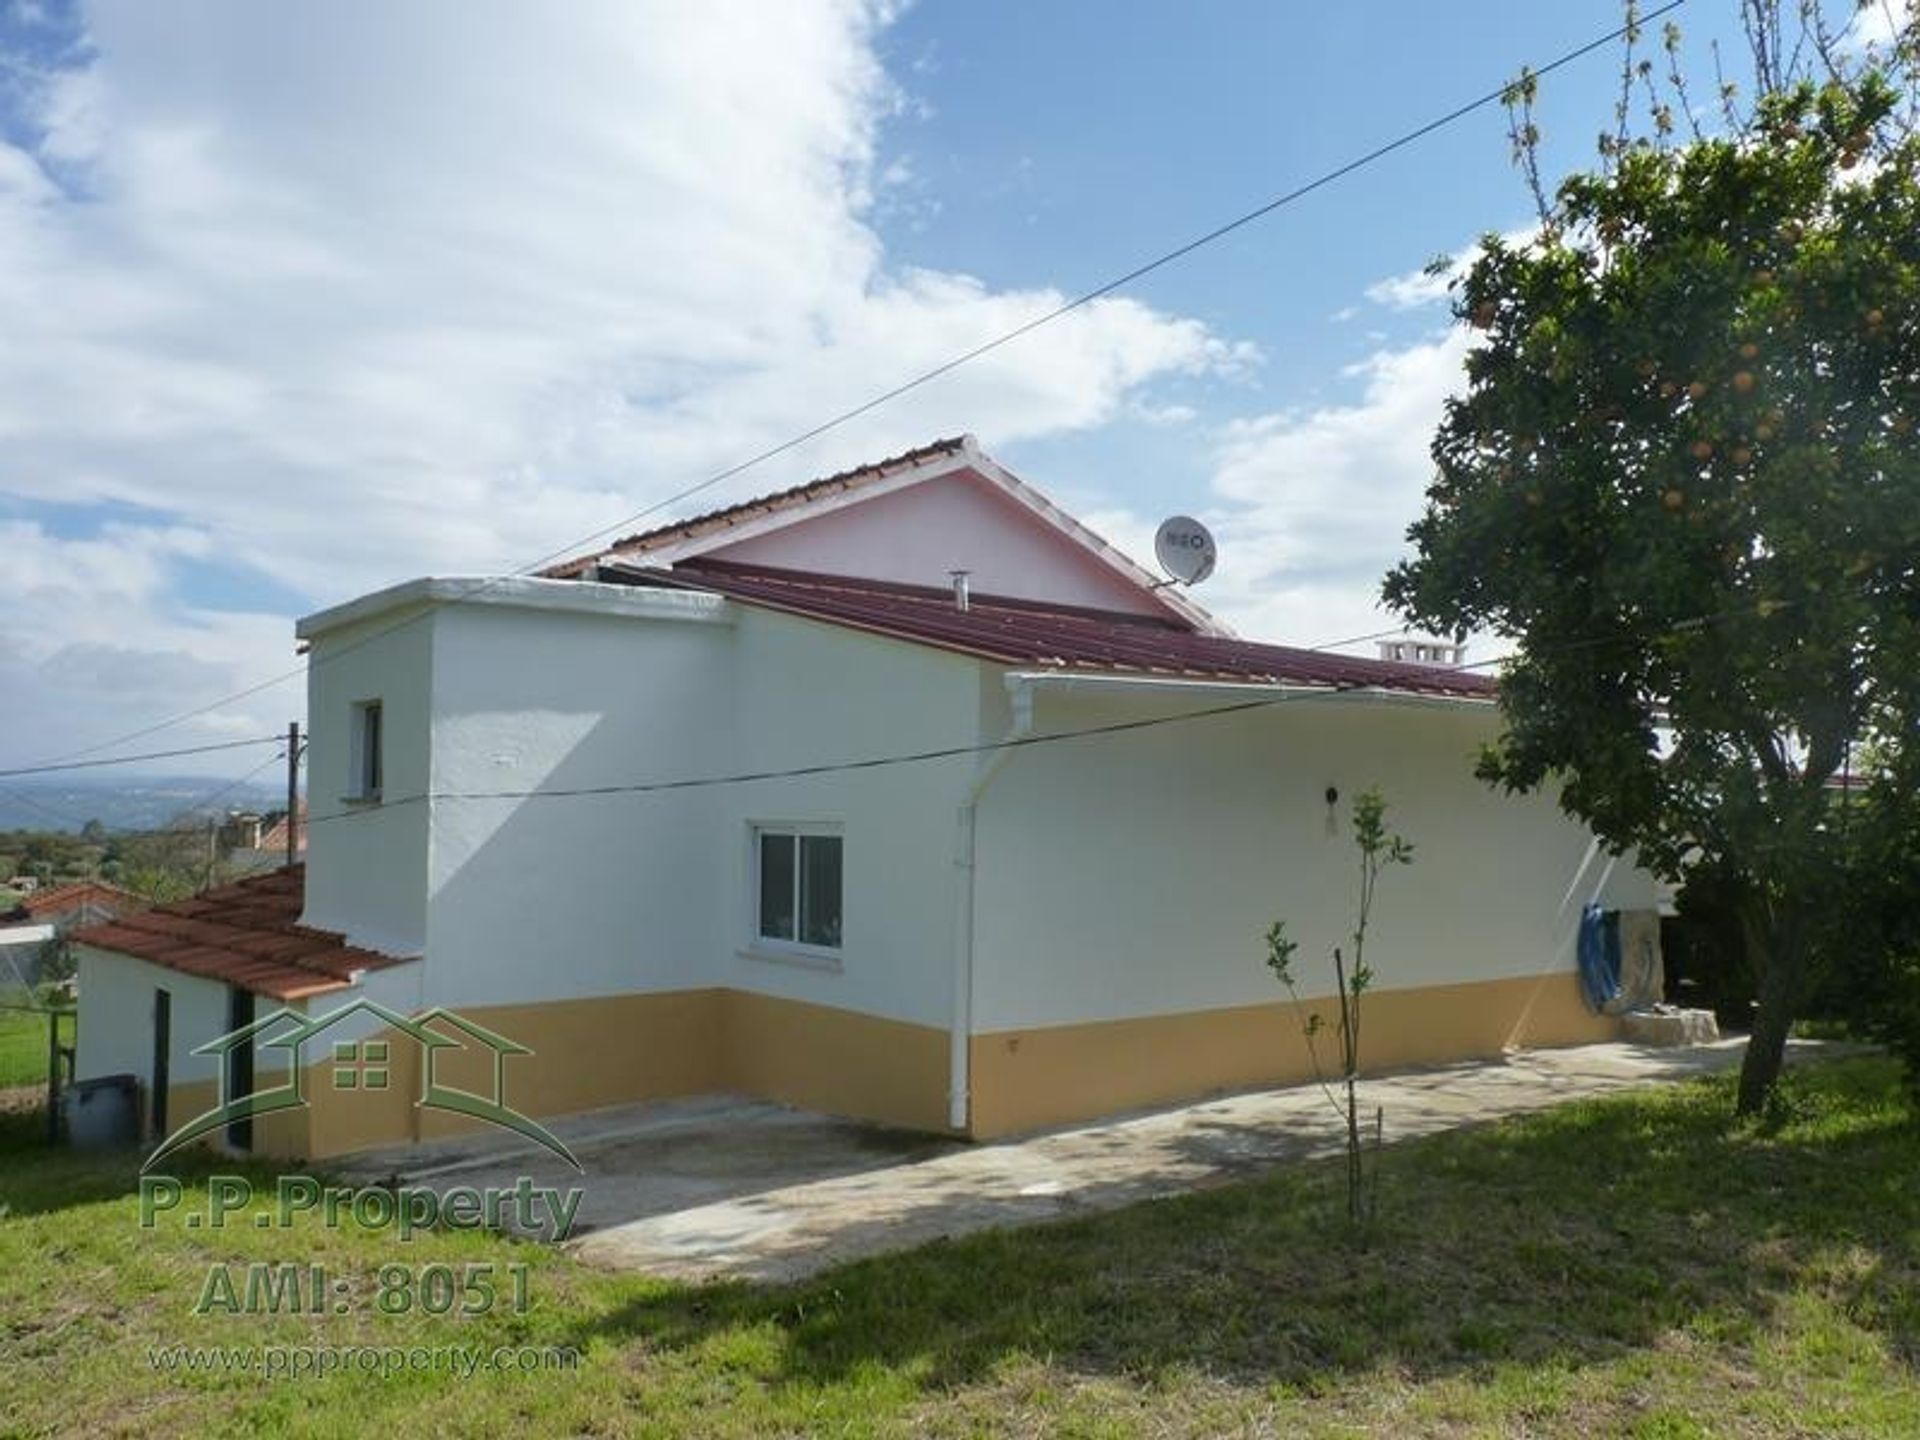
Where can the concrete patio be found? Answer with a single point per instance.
(720, 1187)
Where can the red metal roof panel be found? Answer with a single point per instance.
(1018, 632)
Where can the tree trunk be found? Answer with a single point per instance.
(1778, 956)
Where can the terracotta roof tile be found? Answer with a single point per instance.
(1017, 632)
(273, 840)
(247, 934)
(75, 894)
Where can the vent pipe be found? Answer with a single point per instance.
(962, 592)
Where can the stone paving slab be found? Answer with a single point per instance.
(787, 1228)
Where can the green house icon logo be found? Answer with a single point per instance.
(360, 1066)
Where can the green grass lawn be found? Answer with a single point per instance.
(1636, 1266)
(23, 1047)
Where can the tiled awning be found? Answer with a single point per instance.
(244, 934)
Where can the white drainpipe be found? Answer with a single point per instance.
(960, 1038)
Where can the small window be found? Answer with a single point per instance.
(368, 765)
(797, 887)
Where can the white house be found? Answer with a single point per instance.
(772, 802)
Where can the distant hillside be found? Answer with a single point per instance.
(125, 802)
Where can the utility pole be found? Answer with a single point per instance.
(293, 790)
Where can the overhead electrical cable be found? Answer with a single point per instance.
(952, 752)
(63, 765)
(925, 377)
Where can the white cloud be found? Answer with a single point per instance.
(1410, 291)
(378, 290)
(1314, 506)
(1311, 507)
(1878, 22)
(89, 642)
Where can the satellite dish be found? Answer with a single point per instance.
(1184, 549)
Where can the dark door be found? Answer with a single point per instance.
(162, 1047)
(240, 1065)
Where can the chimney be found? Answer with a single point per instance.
(1411, 649)
(962, 592)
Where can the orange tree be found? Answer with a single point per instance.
(1682, 480)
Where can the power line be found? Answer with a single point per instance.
(926, 377)
(1356, 639)
(951, 752)
(20, 797)
(206, 802)
(876, 762)
(135, 759)
(880, 762)
(134, 832)
(193, 810)
(172, 720)
(1139, 272)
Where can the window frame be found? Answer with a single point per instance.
(366, 752)
(773, 947)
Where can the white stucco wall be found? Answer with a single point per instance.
(580, 895)
(810, 693)
(116, 1019)
(1136, 874)
(573, 896)
(115, 1031)
(586, 895)
(367, 864)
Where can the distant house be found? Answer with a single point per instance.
(899, 795)
(241, 830)
(74, 904)
(46, 914)
(261, 844)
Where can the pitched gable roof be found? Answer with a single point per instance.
(78, 895)
(688, 540)
(728, 522)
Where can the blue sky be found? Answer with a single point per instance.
(1062, 143)
(308, 300)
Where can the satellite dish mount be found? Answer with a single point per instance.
(1185, 549)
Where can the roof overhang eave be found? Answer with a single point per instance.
(1119, 684)
(521, 591)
